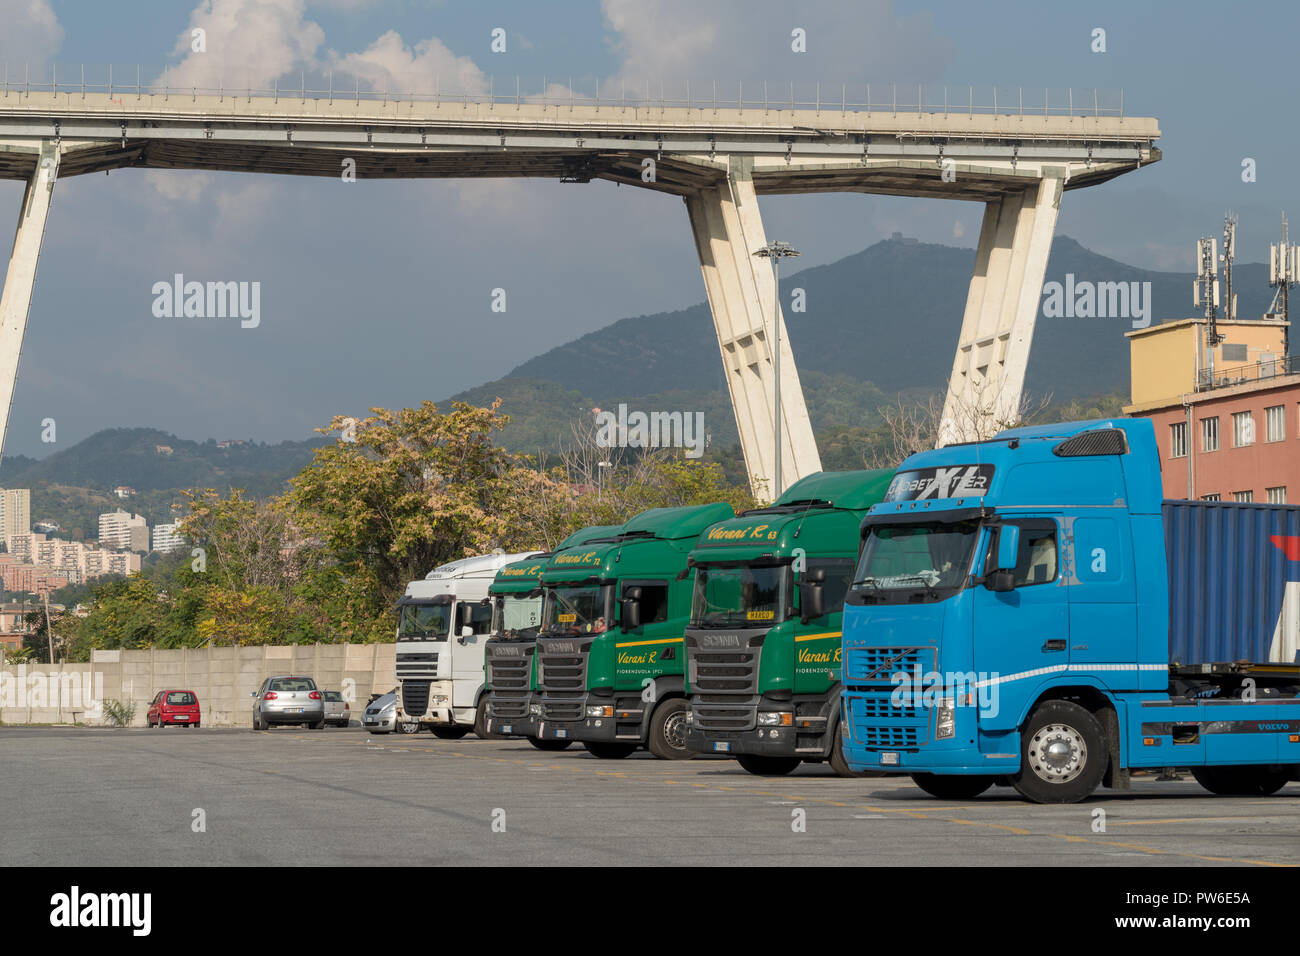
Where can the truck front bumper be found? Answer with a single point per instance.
(622, 721)
(931, 759)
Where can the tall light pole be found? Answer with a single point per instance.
(776, 251)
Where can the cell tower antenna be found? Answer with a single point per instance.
(1229, 253)
(1205, 291)
(1283, 273)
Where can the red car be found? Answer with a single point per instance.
(173, 707)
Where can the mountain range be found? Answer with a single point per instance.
(877, 323)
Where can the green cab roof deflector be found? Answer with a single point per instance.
(850, 490)
(593, 533)
(672, 524)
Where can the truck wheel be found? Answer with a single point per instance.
(668, 730)
(1062, 754)
(409, 728)
(841, 765)
(1253, 781)
(481, 721)
(767, 766)
(449, 733)
(608, 751)
(549, 744)
(952, 786)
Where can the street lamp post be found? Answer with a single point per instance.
(776, 251)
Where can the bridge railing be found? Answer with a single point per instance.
(121, 82)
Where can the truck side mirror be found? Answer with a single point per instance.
(1003, 577)
(631, 609)
(1008, 547)
(812, 595)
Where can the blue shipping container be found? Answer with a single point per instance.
(1234, 582)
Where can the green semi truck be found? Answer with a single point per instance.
(610, 653)
(510, 661)
(763, 645)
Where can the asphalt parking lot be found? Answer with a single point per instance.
(104, 797)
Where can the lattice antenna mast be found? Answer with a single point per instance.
(1205, 291)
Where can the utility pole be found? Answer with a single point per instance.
(776, 251)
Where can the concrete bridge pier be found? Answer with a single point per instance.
(728, 231)
(20, 278)
(997, 328)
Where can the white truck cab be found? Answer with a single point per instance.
(443, 621)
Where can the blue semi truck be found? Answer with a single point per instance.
(1028, 610)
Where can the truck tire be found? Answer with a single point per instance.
(609, 751)
(1062, 754)
(1250, 781)
(952, 786)
(549, 744)
(481, 721)
(449, 733)
(761, 766)
(668, 730)
(841, 765)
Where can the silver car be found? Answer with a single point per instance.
(338, 712)
(380, 716)
(288, 700)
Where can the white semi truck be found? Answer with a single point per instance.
(443, 621)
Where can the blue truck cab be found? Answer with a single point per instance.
(1010, 622)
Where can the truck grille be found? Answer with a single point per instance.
(724, 688)
(561, 673)
(874, 665)
(511, 705)
(417, 666)
(415, 697)
(876, 721)
(562, 706)
(510, 673)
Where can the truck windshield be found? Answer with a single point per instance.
(517, 615)
(423, 622)
(740, 595)
(578, 609)
(929, 557)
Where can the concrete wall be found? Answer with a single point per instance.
(222, 677)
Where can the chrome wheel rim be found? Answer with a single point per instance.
(1057, 753)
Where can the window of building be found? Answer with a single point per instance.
(1210, 497)
(1276, 496)
(1275, 423)
(1243, 429)
(1210, 434)
(1178, 440)
(1243, 496)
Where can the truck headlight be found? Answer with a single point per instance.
(438, 699)
(600, 711)
(946, 725)
(775, 718)
(535, 710)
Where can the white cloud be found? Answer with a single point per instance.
(248, 42)
(730, 41)
(31, 32)
(389, 63)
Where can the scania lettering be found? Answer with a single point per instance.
(1050, 622)
(610, 652)
(443, 622)
(763, 646)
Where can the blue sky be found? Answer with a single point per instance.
(378, 294)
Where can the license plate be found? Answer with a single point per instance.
(370, 720)
(293, 710)
(561, 733)
(722, 746)
(507, 728)
(889, 757)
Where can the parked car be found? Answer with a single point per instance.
(338, 712)
(288, 700)
(173, 707)
(381, 714)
